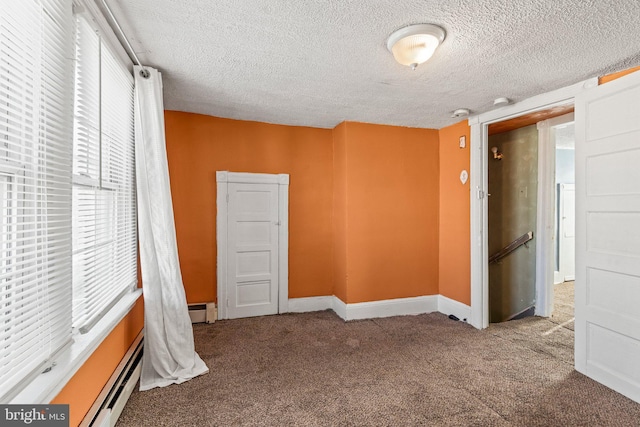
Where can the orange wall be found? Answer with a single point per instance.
(455, 229)
(392, 210)
(198, 146)
(340, 211)
(85, 386)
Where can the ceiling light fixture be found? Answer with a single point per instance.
(415, 44)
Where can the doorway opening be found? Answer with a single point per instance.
(480, 151)
(563, 139)
(531, 157)
(512, 234)
(607, 273)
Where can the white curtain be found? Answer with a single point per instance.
(169, 353)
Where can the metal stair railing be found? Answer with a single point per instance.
(511, 247)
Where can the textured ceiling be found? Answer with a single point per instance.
(318, 63)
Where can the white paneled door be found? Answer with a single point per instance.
(252, 268)
(567, 232)
(608, 235)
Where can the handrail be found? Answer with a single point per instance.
(511, 247)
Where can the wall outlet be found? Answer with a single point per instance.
(463, 141)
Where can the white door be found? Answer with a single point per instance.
(607, 309)
(252, 250)
(567, 228)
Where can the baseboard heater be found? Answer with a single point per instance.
(110, 402)
(203, 313)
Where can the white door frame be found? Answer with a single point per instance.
(479, 185)
(223, 178)
(546, 209)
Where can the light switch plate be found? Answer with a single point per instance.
(463, 141)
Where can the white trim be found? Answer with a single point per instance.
(221, 241)
(391, 307)
(283, 243)
(449, 306)
(545, 215)
(479, 184)
(545, 220)
(47, 385)
(252, 178)
(535, 103)
(383, 308)
(304, 305)
(339, 307)
(223, 178)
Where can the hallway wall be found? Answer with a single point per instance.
(512, 212)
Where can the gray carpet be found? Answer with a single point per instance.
(314, 369)
(563, 296)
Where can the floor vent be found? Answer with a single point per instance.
(203, 313)
(109, 405)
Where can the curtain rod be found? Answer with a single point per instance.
(144, 73)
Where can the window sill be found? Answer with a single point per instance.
(47, 385)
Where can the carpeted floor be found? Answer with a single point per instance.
(563, 304)
(314, 369)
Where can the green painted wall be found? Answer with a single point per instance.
(512, 213)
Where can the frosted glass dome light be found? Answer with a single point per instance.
(415, 44)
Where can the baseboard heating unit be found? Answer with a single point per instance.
(203, 313)
(110, 402)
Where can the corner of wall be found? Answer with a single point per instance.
(448, 306)
(454, 214)
(339, 211)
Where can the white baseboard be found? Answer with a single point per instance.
(390, 307)
(339, 307)
(449, 306)
(303, 305)
(384, 308)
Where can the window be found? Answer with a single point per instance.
(35, 186)
(67, 199)
(104, 233)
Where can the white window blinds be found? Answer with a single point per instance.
(35, 186)
(104, 226)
